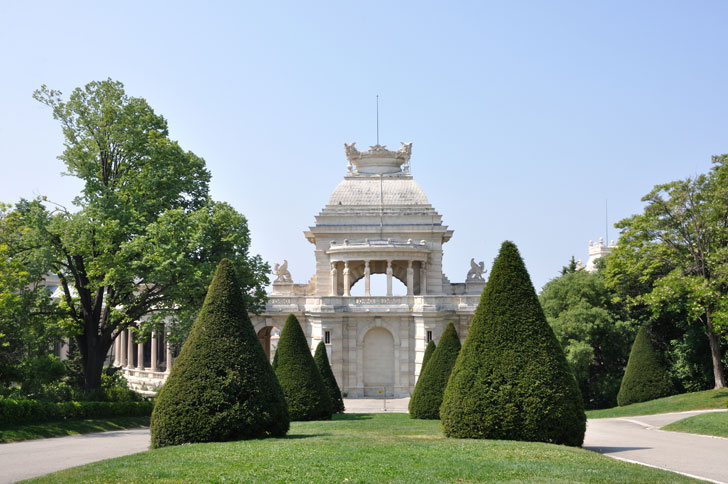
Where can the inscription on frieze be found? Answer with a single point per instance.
(377, 300)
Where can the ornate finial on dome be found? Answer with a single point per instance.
(378, 160)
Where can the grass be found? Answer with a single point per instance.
(708, 424)
(676, 403)
(69, 427)
(365, 448)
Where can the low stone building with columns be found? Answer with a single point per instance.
(377, 221)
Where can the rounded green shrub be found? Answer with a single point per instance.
(300, 379)
(645, 377)
(221, 386)
(511, 380)
(322, 362)
(428, 354)
(427, 396)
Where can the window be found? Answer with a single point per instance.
(429, 336)
(327, 337)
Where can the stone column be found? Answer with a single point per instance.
(346, 279)
(116, 350)
(423, 278)
(140, 356)
(410, 279)
(154, 352)
(129, 349)
(367, 274)
(122, 348)
(389, 278)
(168, 353)
(334, 280)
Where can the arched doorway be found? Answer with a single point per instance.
(268, 338)
(378, 362)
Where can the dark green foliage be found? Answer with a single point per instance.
(645, 377)
(427, 396)
(22, 411)
(322, 362)
(511, 379)
(428, 354)
(221, 386)
(302, 384)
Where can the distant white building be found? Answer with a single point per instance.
(596, 250)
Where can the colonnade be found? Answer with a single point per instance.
(348, 279)
(125, 348)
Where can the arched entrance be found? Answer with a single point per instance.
(268, 338)
(378, 362)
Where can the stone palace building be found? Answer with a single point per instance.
(377, 221)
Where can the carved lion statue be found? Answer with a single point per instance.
(281, 272)
(476, 271)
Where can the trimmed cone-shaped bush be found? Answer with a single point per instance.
(428, 354)
(221, 386)
(645, 377)
(322, 362)
(427, 397)
(300, 379)
(511, 379)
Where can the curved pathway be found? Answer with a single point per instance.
(638, 439)
(31, 458)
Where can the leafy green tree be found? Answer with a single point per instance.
(645, 377)
(427, 396)
(429, 349)
(511, 379)
(221, 386)
(145, 237)
(675, 255)
(594, 333)
(299, 376)
(322, 362)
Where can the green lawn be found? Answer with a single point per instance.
(675, 403)
(70, 427)
(372, 448)
(707, 423)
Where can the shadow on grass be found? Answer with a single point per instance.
(721, 393)
(303, 436)
(610, 450)
(352, 416)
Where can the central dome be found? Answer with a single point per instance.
(378, 191)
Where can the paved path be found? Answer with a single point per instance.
(376, 405)
(638, 439)
(31, 458)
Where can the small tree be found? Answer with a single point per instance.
(428, 354)
(322, 362)
(300, 379)
(645, 377)
(221, 386)
(511, 379)
(427, 397)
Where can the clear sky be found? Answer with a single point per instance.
(525, 116)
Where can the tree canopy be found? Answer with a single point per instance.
(144, 238)
(673, 257)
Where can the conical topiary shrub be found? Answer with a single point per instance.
(221, 386)
(322, 362)
(428, 354)
(427, 397)
(511, 379)
(645, 377)
(300, 379)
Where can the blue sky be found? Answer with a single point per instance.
(525, 116)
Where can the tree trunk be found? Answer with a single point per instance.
(93, 362)
(715, 353)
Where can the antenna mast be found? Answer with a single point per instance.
(606, 221)
(377, 118)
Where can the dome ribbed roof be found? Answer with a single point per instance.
(368, 191)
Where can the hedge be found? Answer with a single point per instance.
(221, 386)
(511, 380)
(427, 396)
(645, 377)
(322, 362)
(19, 412)
(428, 354)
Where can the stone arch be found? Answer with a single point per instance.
(379, 362)
(268, 337)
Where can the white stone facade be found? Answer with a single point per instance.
(378, 221)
